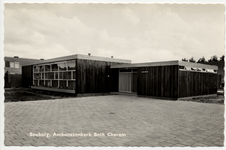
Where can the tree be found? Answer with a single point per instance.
(192, 60)
(201, 60)
(222, 58)
(184, 59)
(213, 58)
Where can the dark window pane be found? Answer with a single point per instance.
(35, 82)
(71, 85)
(47, 67)
(48, 83)
(42, 75)
(60, 75)
(55, 83)
(56, 75)
(74, 75)
(7, 64)
(62, 84)
(41, 82)
(49, 75)
(54, 67)
(68, 75)
(46, 76)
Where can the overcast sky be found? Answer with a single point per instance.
(139, 32)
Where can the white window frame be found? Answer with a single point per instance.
(17, 63)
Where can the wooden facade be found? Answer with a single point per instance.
(92, 74)
(171, 79)
(196, 83)
(168, 80)
(158, 81)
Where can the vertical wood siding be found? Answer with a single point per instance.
(160, 81)
(92, 76)
(27, 76)
(197, 83)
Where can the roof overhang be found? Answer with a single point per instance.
(165, 63)
(86, 57)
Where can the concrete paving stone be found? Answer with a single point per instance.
(178, 145)
(172, 141)
(165, 144)
(199, 145)
(207, 143)
(145, 121)
(52, 144)
(219, 143)
(8, 143)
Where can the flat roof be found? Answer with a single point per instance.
(86, 57)
(166, 63)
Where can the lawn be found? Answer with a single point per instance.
(27, 94)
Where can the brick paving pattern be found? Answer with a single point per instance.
(145, 121)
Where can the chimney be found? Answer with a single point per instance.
(111, 56)
(16, 56)
(89, 54)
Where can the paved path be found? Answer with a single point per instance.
(144, 121)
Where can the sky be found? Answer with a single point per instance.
(138, 32)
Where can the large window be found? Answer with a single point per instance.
(55, 75)
(12, 64)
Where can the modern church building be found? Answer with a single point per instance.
(83, 74)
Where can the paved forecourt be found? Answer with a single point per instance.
(115, 120)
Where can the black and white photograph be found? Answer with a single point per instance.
(113, 75)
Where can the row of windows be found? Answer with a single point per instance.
(12, 64)
(62, 84)
(55, 75)
(58, 66)
(197, 69)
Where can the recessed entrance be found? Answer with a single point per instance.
(128, 80)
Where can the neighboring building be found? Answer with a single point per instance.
(13, 70)
(220, 71)
(80, 74)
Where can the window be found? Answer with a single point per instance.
(47, 67)
(7, 64)
(17, 65)
(54, 67)
(41, 68)
(36, 68)
(11, 64)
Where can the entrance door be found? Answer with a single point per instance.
(125, 81)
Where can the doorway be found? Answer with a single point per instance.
(128, 80)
